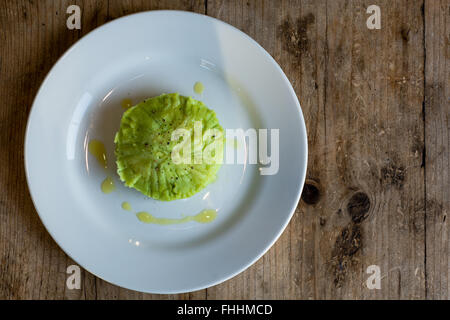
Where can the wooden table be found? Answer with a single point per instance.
(376, 104)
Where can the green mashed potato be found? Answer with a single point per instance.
(144, 147)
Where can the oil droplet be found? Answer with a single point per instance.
(126, 206)
(126, 103)
(108, 185)
(199, 87)
(97, 149)
(204, 216)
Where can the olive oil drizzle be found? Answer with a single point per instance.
(199, 87)
(126, 206)
(97, 149)
(108, 185)
(126, 103)
(205, 216)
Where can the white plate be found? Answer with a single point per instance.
(139, 56)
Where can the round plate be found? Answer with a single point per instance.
(140, 56)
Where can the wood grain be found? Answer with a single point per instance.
(437, 165)
(376, 106)
(362, 101)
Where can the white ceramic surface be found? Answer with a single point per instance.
(136, 57)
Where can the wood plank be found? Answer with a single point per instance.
(119, 8)
(33, 36)
(375, 137)
(361, 93)
(437, 135)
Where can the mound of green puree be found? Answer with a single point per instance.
(144, 147)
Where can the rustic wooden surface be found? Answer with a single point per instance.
(376, 104)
